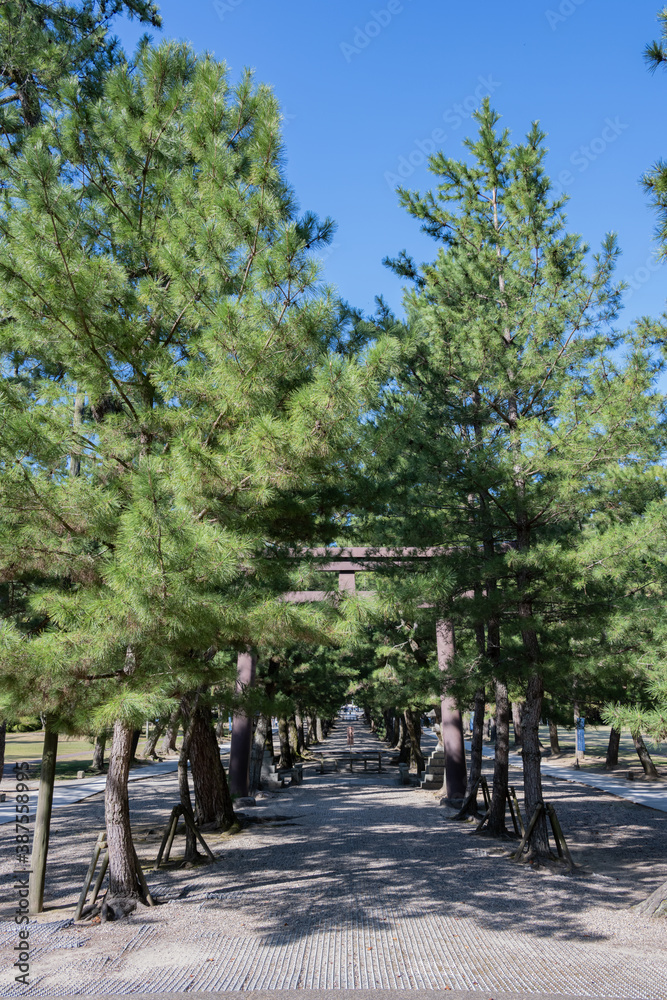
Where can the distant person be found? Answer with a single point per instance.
(350, 736)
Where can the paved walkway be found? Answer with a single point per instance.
(351, 881)
(653, 795)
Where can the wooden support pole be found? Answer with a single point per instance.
(190, 820)
(172, 832)
(170, 826)
(558, 836)
(100, 843)
(514, 820)
(100, 878)
(511, 792)
(531, 826)
(485, 792)
(40, 843)
(142, 880)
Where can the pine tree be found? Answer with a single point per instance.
(514, 418)
(159, 296)
(44, 43)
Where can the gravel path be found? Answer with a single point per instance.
(353, 881)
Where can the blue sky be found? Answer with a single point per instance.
(369, 88)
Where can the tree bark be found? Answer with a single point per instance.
(319, 734)
(612, 748)
(403, 742)
(650, 769)
(553, 738)
(123, 883)
(3, 741)
(532, 760)
(40, 843)
(136, 736)
(151, 742)
(399, 732)
(293, 737)
(187, 712)
(169, 741)
(220, 724)
(451, 725)
(518, 708)
(301, 739)
(388, 726)
(495, 823)
(414, 729)
(98, 752)
(476, 755)
(213, 801)
(239, 754)
(257, 753)
(285, 749)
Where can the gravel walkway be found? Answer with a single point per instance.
(353, 881)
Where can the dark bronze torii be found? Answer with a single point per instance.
(347, 562)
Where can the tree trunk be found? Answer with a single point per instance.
(404, 742)
(239, 753)
(220, 724)
(257, 753)
(612, 748)
(476, 755)
(40, 843)
(123, 884)
(495, 823)
(649, 767)
(98, 752)
(399, 732)
(213, 802)
(451, 725)
(151, 742)
(269, 737)
(414, 729)
(319, 735)
(3, 740)
(136, 736)
(283, 736)
(518, 709)
(532, 760)
(169, 741)
(553, 738)
(187, 712)
(388, 726)
(301, 739)
(293, 737)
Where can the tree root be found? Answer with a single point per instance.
(654, 905)
(117, 907)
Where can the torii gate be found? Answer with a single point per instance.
(347, 562)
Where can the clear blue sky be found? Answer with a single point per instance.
(364, 84)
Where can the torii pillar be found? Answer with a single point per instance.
(239, 754)
(456, 777)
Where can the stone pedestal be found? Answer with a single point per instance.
(433, 777)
